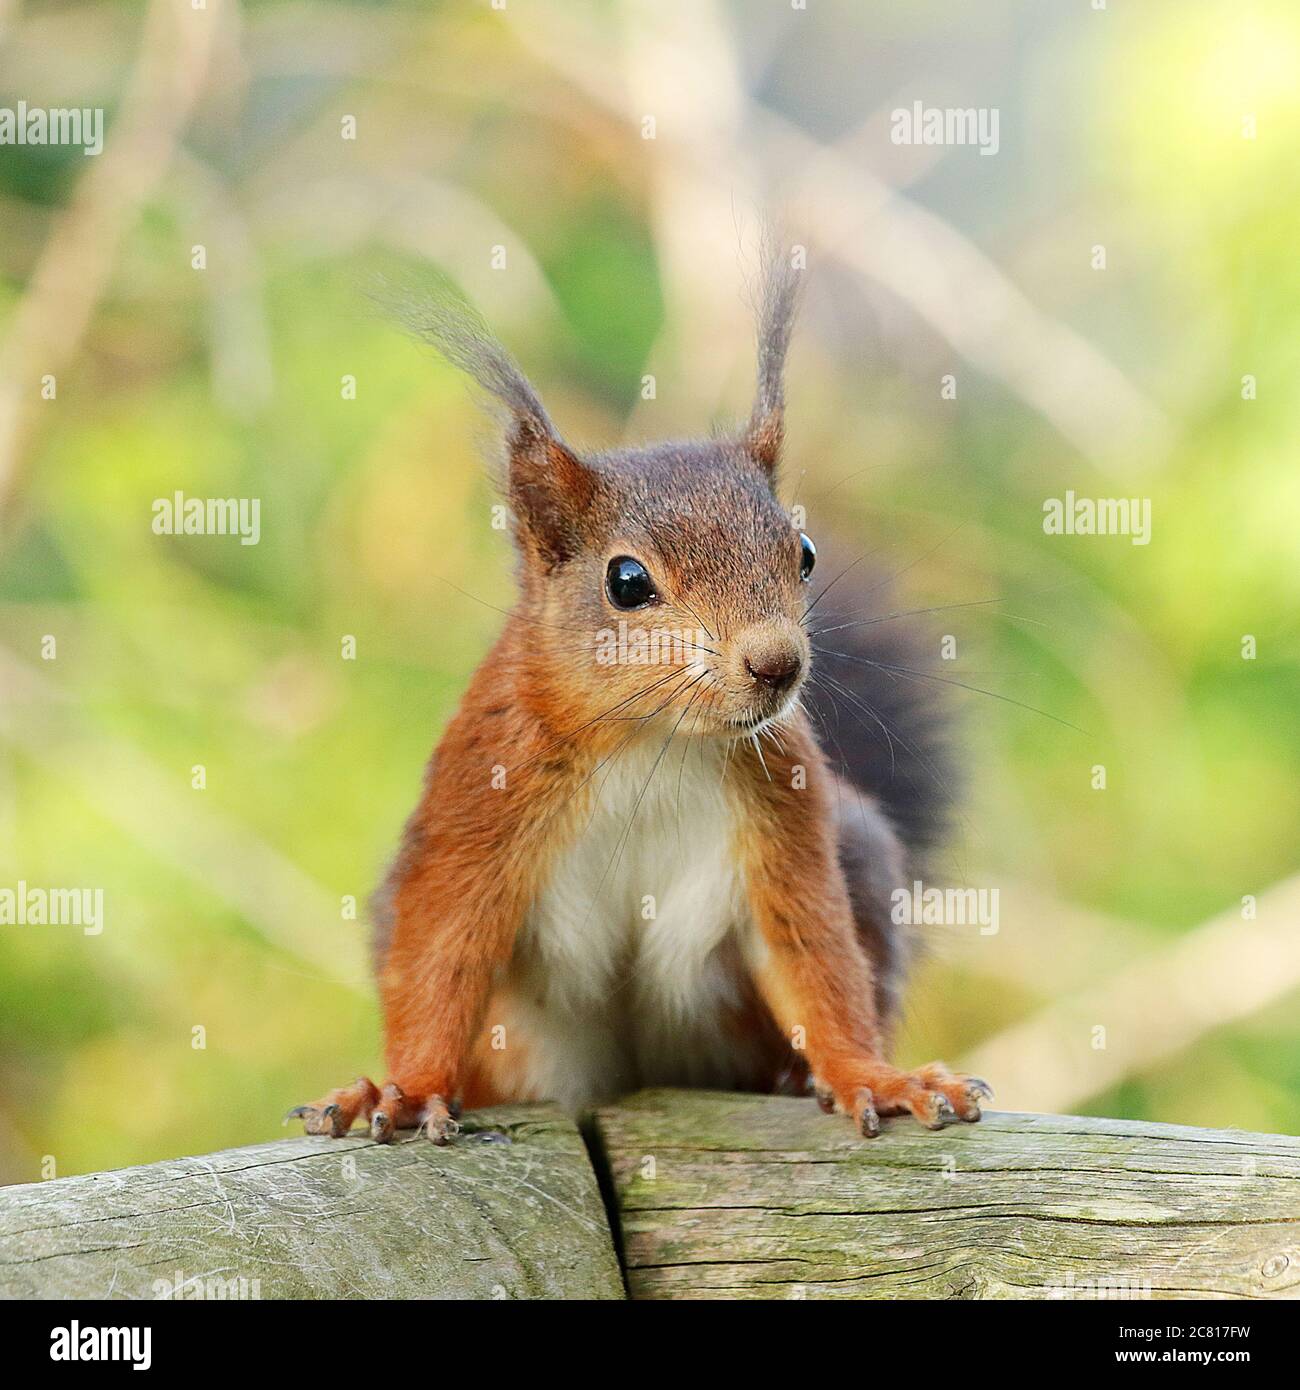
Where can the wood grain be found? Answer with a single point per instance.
(717, 1196)
(511, 1210)
(732, 1196)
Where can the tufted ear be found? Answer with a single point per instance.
(778, 304)
(551, 489)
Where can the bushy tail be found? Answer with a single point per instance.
(880, 711)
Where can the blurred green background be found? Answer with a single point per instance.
(524, 128)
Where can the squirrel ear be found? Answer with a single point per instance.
(764, 437)
(776, 313)
(551, 491)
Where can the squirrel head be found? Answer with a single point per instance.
(663, 586)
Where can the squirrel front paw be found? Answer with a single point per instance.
(384, 1110)
(932, 1093)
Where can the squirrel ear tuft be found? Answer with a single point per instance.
(777, 306)
(551, 491)
(764, 438)
(457, 330)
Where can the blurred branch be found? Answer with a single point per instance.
(1154, 1009)
(1044, 943)
(242, 371)
(77, 260)
(425, 218)
(869, 226)
(945, 279)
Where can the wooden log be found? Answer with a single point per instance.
(718, 1196)
(510, 1210)
(730, 1196)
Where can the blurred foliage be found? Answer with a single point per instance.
(1120, 127)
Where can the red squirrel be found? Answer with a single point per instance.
(633, 863)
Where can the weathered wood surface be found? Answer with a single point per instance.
(511, 1210)
(729, 1196)
(717, 1196)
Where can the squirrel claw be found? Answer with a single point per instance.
(335, 1112)
(942, 1112)
(320, 1119)
(865, 1111)
(933, 1094)
(957, 1097)
(438, 1125)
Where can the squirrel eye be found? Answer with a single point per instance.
(809, 556)
(628, 583)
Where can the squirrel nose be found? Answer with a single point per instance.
(774, 669)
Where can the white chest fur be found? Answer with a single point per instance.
(631, 962)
